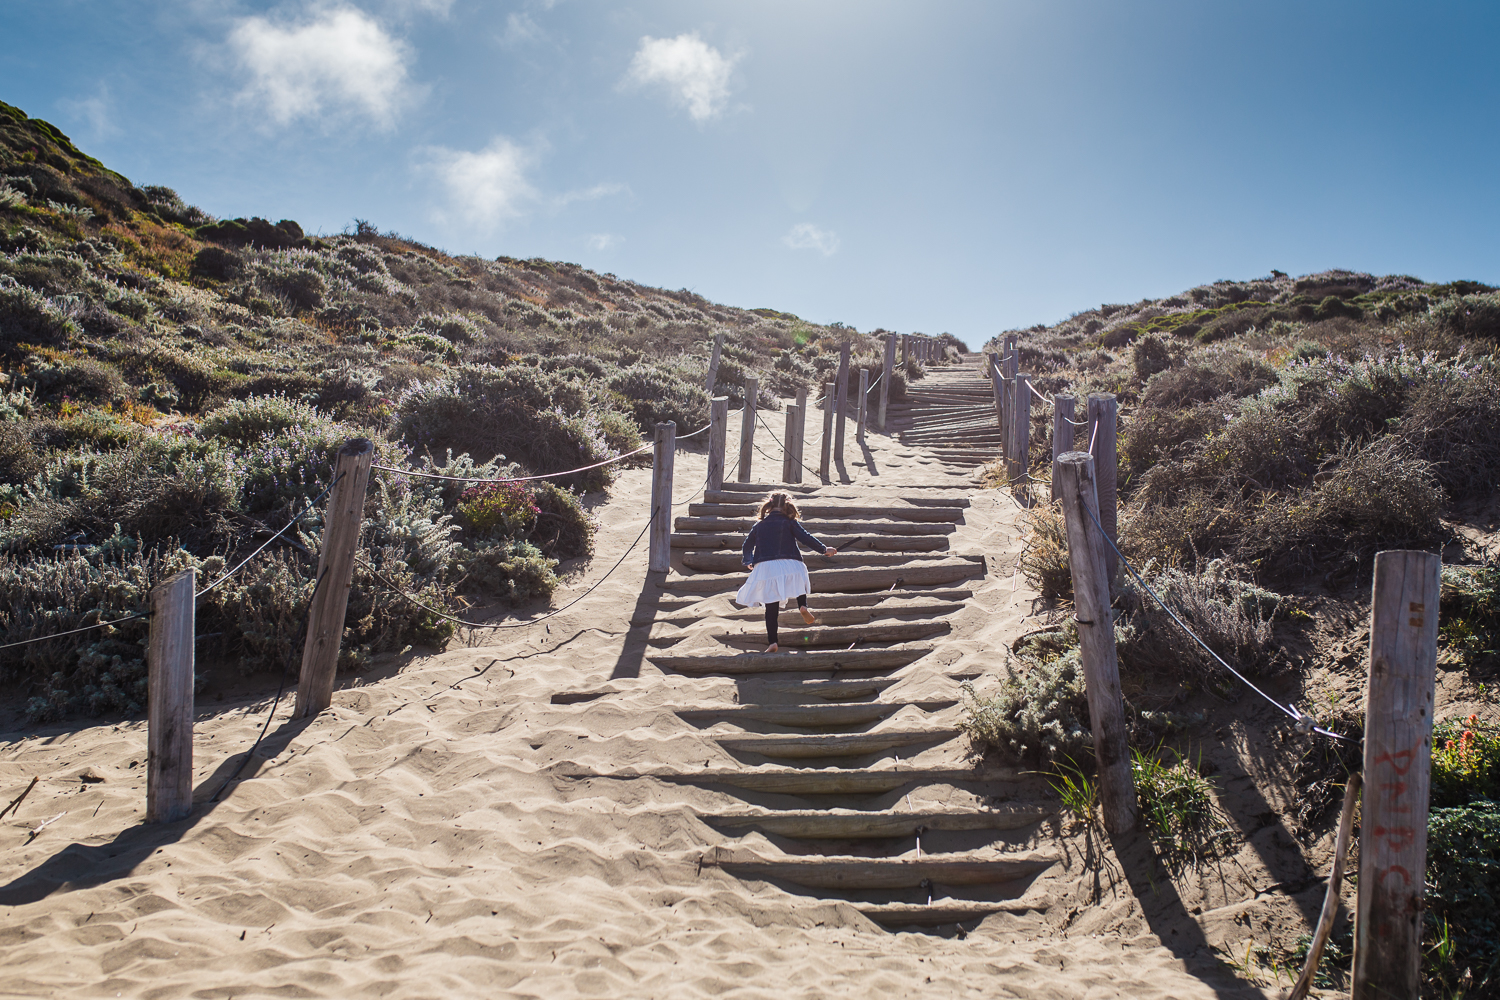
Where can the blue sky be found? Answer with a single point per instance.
(958, 166)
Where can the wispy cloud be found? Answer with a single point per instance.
(96, 112)
(603, 241)
(694, 73)
(520, 30)
(806, 236)
(336, 59)
(408, 8)
(486, 189)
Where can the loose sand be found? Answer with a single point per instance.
(417, 839)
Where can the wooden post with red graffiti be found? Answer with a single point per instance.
(1398, 762)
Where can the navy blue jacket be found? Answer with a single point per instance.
(775, 537)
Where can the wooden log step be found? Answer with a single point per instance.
(729, 562)
(833, 780)
(803, 638)
(939, 912)
(836, 617)
(855, 824)
(808, 715)
(731, 495)
(818, 511)
(849, 873)
(820, 528)
(816, 661)
(844, 543)
(832, 581)
(817, 746)
(832, 692)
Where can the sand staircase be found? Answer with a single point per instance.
(951, 413)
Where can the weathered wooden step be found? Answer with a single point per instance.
(833, 581)
(802, 638)
(844, 543)
(816, 746)
(939, 912)
(837, 692)
(833, 780)
(854, 824)
(890, 512)
(721, 524)
(730, 494)
(809, 715)
(850, 873)
(816, 661)
(835, 617)
(729, 562)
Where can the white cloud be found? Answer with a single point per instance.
(339, 58)
(488, 187)
(407, 8)
(603, 241)
(588, 194)
(520, 30)
(95, 111)
(695, 74)
(806, 236)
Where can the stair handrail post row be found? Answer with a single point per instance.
(829, 402)
(713, 363)
(1096, 641)
(789, 445)
(1397, 775)
(842, 404)
(864, 396)
(169, 699)
(663, 458)
(1062, 431)
(1104, 415)
(798, 449)
(342, 523)
(1019, 460)
(888, 361)
(747, 430)
(718, 431)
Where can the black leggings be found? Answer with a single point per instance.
(772, 610)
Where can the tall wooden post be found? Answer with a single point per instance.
(713, 363)
(829, 402)
(789, 446)
(1010, 363)
(905, 350)
(747, 429)
(801, 434)
(169, 700)
(841, 408)
(1062, 432)
(325, 616)
(1398, 761)
(1103, 417)
(864, 399)
(1018, 454)
(993, 369)
(661, 497)
(718, 430)
(1096, 641)
(888, 361)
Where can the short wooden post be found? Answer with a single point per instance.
(841, 407)
(1096, 641)
(1062, 432)
(747, 429)
(993, 370)
(888, 361)
(905, 350)
(661, 497)
(1102, 421)
(801, 435)
(1397, 772)
(713, 363)
(718, 429)
(325, 616)
(864, 399)
(169, 699)
(1018, 454)
(829, 402)
(789, 446)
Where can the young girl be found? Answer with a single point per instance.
(777, 572)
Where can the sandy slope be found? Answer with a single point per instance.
(415, 840)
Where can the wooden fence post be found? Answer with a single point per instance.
(713, 363)
(1062, 432)
(905, 349)
(169, 699)
(801, 434)
(864, 399)
(1397, 773)
(888, 361)
(661, 496)
(841, 406)
(325, 616)
(1096, 641)
(747, 429)
(789, 445)
(1018, 455)
(718, 431)
(829, 402)
(1103, 417)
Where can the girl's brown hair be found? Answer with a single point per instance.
(779, 502)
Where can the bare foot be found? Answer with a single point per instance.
(772, 648)
(807, 615)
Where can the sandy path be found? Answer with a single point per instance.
(414, 840)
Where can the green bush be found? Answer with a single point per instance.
(514, 572)
(498, 510)
(1177, 803)
(246, 421)
(1465, 762)
(1040, 712)
(1229, 614)
(1463, 898)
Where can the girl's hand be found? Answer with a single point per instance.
(749, 565)
(830, 551)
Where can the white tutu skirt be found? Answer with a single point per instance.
(774, 581)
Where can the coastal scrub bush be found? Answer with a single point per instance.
(1040, 712)
(1470, 621)
(1229, 614)
(1044, 558)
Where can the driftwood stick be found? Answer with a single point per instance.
(15, 802)
(1331, 898)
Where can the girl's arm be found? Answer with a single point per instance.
(749, 544)
(806, 538)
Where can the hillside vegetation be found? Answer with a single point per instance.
(175, 387)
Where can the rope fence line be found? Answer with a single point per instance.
(782, 445)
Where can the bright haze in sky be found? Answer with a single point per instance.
(936, 166)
